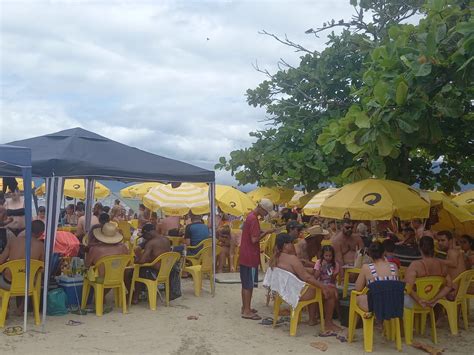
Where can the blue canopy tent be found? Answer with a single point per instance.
(78, 153)
(16, 161)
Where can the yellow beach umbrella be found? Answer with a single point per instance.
(376, 199)
(20, 184)
(233, 201)
(278, 195)
(177, 201)
(75, 188)
(313, 206)
(138, 190)
(451, 216)
(295, 200)
(466, 200)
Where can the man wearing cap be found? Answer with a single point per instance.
(109, 242)
(250, 255)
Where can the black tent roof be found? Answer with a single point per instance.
(79, 153)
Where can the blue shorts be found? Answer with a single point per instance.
(248, 277)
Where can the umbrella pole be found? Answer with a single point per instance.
(212, 197)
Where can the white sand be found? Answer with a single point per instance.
(219, 330)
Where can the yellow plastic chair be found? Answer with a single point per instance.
(426, 289)
(167, 261)
(204, 267)
(295, 314)
(236, 257)
(391, 327)
(235, 224)
(124, 227)
(265, 225)
(114, 268)
(194, 259)
(175, 241)
(401, 272)
(134, 223)
(17, 288)
(463, 281)
(345, 287)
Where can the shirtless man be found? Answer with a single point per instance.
(15, 250)
(285, 258)
(419, 228)
(294, 230)
(81, 222)
(346, 243)
(109, 242)
(154, 246)
(427, 266)
(455, 261)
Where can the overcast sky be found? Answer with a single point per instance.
(168, 77)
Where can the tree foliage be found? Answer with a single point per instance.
(384, 99)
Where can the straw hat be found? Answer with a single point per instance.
(317, 230)
(108, 234)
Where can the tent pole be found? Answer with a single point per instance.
(90, 184)
(28, 217)
(212, 197)
(54, 192)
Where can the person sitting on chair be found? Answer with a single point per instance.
(285, 258)
(15, 250)
(379, 270)
(153, 247)
(195, 232)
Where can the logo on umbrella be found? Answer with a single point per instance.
(76, 186)
(471, 200)
(372, 198)
(232, 204)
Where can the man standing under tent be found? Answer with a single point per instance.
(250, 255)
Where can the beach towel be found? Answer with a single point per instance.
(287, 285)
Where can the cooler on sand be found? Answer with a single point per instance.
(72, 286)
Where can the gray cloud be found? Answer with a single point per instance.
(169, 77)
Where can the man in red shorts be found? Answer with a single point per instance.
(250, 255)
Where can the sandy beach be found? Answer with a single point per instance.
(218, 330)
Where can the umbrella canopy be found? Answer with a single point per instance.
(233, 201)
(313, 206)
(138, 190)
(177, 201)
(300, 199)
(76, 188)
(20, 184)
(451, 216)
(278, 195)
(376, 199)
(466, 200)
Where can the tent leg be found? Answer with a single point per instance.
(212, 197)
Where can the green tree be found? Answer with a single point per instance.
(384, 98)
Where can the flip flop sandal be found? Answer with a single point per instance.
(328, 333)
(253, 317)
(73, 322)
(342, 338)
(11, 331)
(267, 321)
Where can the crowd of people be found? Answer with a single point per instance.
(315, 250)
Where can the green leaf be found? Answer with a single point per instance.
(424, 69)
(222, 160)
(405, 126)
(377, 166)
(329, 147)
(381, 92)
(401, 94)
(353, 2)
(441, 32)
(362, 120)
(384, 145)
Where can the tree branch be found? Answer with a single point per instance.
(287, 42)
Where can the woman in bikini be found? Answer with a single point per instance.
(379, 270)
(16, 211)
(427, 266)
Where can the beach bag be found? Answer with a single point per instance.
(56, 301)
(175, 282)
(362, 258)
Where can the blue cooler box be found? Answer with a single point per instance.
(72, 286)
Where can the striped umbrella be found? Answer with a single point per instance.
(278, 195)
(313, 206)
(177, 201)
